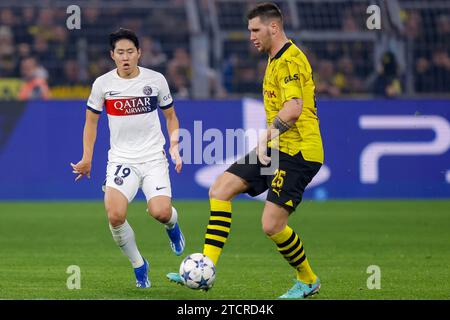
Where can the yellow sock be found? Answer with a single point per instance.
(291, 247)
(218, 229)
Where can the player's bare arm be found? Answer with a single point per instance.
(286, 117)
(83, 167)
(173, 127)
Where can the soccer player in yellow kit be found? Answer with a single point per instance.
(293, 130)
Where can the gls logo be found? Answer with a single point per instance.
(291, 78)
(371, 154)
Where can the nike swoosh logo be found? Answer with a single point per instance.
(112, 93)
(157, 188)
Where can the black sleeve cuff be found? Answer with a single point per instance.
(170, 105)
(93, 110)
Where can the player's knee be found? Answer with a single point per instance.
(162, 213)
(214, 192)
(270, 228)
(220, 192)
(116, 209)
(115, 218)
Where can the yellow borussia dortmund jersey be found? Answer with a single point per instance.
(289, 76)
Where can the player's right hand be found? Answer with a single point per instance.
(175, 155)
(262, 155)
(261, 149)
(82, 168)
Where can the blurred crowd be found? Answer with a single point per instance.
(431, 50)
(344, 68)
(55, 62)
(52, 60)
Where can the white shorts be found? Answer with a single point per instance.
(152, 177)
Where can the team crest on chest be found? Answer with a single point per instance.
(147, 90)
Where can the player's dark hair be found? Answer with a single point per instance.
(265, 11)
(123, 34)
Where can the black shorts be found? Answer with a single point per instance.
(286, 185)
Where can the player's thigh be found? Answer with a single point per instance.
(123, 177)
(274, 218)
(248, 171)
(156, 179)
(227, 186)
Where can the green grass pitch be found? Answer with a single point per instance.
(408, 240)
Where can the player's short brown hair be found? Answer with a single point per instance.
(265, 11)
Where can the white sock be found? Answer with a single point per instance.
(124, 237)
(173, 219)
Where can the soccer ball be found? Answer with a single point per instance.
(197, 271)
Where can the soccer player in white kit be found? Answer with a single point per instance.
(136, 159)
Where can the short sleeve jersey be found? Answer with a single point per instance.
(289, 76)
(131, 106)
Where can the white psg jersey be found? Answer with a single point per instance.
(131, 105)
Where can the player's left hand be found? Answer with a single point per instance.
(175, 155)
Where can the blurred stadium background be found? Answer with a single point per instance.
(384, 106)
(203, 47)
